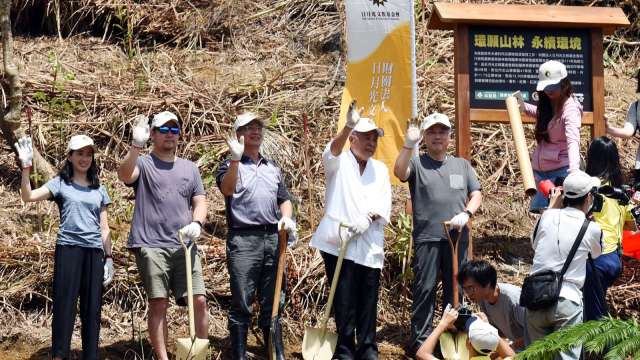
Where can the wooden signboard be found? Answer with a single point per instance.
(498, 49)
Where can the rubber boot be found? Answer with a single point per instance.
(278, 341)
(238, 334)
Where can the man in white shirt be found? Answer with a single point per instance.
(358, 193)
(552, 240)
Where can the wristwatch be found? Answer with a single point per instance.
(468, 213)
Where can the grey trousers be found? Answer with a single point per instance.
(252, 261)
(431, 259)
(565, 313)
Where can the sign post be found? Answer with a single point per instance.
(498, 49)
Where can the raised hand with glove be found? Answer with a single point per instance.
(236, 146)
(141, 132)
(287, 224)
(191, 231)
(108, 271)
(460, 221)
(413, 136)
(25, 151)
(353, 115)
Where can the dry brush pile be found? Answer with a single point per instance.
(91, 65)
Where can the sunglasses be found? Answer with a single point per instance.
(166, 130)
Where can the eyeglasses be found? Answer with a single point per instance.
(166, 130)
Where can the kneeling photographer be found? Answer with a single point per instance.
(610, 212)
(482, 341)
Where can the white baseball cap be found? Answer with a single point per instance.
(483, 337)
(435, 118)
(366, 124)
(550, 73)
(162, 118)
(578, 184)
(78, 142)
(245, 118)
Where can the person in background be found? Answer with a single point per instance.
(483, 341)
(552, 240)
(500, 302)
(631, 125)
(82, 260)
(558, 120)
(603, 162)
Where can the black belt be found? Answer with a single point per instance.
(266, 228)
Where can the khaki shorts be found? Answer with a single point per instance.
(163, 272)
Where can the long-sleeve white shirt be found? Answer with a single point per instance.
(348, 196)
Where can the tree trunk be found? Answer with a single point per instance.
(10, 116)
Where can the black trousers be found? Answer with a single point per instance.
(356, 308)
(252, 261)
(431, 259)
(77, 273)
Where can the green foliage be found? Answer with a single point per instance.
(125, 25)
(402, 245)
(613, 338)
(58, 100)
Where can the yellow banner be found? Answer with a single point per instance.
(381, 69)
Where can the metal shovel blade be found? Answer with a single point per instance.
(196, 349)
(318, 344)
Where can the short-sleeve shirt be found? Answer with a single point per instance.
(633, 118)
(260, 189)
(552, 239)
(80, 208)
(164, 193)
(506, 314)
(439, 191)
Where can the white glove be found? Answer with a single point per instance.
(25, 151)
(413, 136)
(236, 146)
(459, 221)
(353, 115)
(141, 131)
(286, 223)
(108, 272)
(360, 225)
(518, 96)
(191, 231)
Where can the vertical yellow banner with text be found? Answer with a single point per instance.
(381, 72)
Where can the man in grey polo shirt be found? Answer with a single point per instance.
(255, 197)
(170, 197)
(443, 188)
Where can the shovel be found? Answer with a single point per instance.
(191, 348)
(318, 343)
(282, 252)
(454, 259)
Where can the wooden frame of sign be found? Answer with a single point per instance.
(590, 23)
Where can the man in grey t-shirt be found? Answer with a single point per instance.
(443, 188)
(170, 198)
(498, 301)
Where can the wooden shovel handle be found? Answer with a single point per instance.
(282, 252)
(454, 260)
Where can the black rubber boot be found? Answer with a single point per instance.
(278, 342)
(238, 334)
